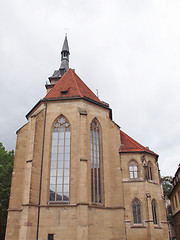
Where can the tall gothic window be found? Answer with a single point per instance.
(133, 170)
(60, 161)
(154, 212)
(136, 207)
(96, 163)
(149, 172)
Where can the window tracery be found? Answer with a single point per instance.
(60, 161)
(133, 170)
(136, 207)
(96, 163)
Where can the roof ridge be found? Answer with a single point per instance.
(72, 73)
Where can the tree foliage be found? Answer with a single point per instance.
(167, 185)
(6, 168)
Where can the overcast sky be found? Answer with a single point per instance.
(127, 49)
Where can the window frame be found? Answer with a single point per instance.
(173, 206)
(175, 197)
(154, 211)
(133, 171)
(50, 236)
(96, 176)
(136, 207)
(62, 179)
(149, 171)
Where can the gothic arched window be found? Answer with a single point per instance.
(133, 170)
(60, 161)
(136, 207)
(149, 172)
(154, 211)
(96, 163)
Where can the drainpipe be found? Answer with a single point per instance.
(42, 158)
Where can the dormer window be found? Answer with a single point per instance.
(64, 92)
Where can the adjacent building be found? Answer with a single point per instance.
(77, 175)
(174, 196)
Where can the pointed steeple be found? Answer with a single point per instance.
(64, 57)
(63, 67)
(65, 45)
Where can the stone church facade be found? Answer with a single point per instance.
(77, 175)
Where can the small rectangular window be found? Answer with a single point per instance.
(173, 204)
(64, 92)
(50, 236)
(176, 201)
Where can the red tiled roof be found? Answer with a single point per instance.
(71, 86)
(128, 144)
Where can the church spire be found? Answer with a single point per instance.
(64, 57)
(63, 67)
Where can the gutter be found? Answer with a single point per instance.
(154, 154)
(70, 98)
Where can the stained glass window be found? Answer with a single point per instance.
(136, 207)
(133, 170)
(60, 161)
(96, 162)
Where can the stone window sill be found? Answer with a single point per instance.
(138, 226)
(156, 226)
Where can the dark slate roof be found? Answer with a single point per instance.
(64, 64)
(65, 45)
(56, 74)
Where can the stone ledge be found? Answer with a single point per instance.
(82, 111)
(138, 226)
(157, 227)
(14, 209)
(103, 207)
(83, 160)
(27, 161)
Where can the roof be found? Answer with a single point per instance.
(175, 180)
(128, 144)
(64, 65)
(71, 86)
(65, 45)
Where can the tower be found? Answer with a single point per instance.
(77, 175)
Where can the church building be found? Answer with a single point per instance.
(77, 175)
